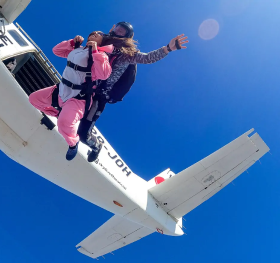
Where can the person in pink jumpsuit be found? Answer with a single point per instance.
(73, 109)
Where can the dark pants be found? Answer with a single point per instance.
(87, 124)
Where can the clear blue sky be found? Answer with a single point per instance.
(179, 111)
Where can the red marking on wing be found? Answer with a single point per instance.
(159, 180)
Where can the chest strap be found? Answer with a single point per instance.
(77, 87)
(87, 87)
(77, 67)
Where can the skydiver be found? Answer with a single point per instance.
(121, 79)
(70, 100)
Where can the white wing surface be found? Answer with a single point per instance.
(117, 232)
(11, 9)
(183, 192)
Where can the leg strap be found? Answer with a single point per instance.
(55, 98)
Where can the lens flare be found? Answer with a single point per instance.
(208, 29)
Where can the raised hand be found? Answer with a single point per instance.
(78, 39)
(93, 44)
(181, 40)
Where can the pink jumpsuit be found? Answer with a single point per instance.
(72, 109)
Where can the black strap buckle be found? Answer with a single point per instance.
(75, 66)
(88, 74)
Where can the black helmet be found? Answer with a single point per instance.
(127, 26)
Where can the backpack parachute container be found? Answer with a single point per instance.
(122, 86)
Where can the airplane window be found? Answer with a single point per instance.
(16, 36)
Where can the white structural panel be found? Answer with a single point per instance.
(191, 187)
(117, 232)
(11, 9)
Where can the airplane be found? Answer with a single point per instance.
(140, 207)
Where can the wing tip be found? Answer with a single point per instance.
(85, 252)
(250, 132)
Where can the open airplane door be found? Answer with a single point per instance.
(11, 9)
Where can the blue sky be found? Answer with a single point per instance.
(180, 110)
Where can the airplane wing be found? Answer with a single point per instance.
(183, 192)
(12, 9)
(117, 232)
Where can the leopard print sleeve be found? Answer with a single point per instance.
(145, 58)
(124, 60)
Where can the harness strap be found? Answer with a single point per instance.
(77, 67)
(77, 87)
(90, 58)
(101, 91)
(112, 60)
(77, 45)
(86, 88)
(89, 90)
(55, 103)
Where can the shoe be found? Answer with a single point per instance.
(94, 153)
(72, 152)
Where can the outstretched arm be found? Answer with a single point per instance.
(156, 55)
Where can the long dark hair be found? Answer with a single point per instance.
(125, 45)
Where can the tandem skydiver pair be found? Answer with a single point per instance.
(101, 72)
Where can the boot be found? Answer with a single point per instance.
(72, 152)
(95, 152)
